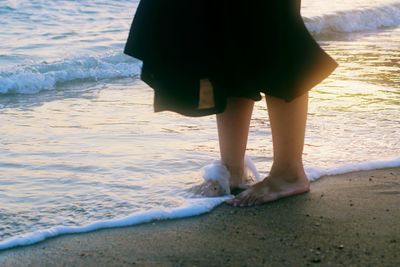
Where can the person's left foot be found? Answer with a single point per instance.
(270, 189)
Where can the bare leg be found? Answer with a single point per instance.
(287, 176)
(233, 130)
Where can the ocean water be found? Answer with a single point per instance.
(80, 146)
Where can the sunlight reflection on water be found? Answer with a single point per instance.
(95, 150)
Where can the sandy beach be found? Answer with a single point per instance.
(346, 220)
(82, 149)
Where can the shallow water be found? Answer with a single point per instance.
(79, 139)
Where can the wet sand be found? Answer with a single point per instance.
(346, 220)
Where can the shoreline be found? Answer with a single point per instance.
(349, 219)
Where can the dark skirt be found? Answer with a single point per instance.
(197, 53)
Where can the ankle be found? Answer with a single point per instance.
(235, 170)
(237, 175)
(291, 172)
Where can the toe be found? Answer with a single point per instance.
(243, 199)
(252, 200)
(235, 201)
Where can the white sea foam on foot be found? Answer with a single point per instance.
(217, 176)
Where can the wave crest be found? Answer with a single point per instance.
(47, 76)
(355, 20)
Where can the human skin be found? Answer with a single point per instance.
(288, 124)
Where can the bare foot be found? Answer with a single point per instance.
(242, 182)
(270, 189)
(244, 178)
(219, 180)
(210, 189)
(215, 189)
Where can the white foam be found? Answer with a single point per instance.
(192, 208)
(355, 20)
(313, 173)
(218, 172)
(47, 76)
(252, 168)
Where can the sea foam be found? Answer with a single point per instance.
(31, 79)
(193, 207)
(313, 173)
(355, 20)
(37, 77)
